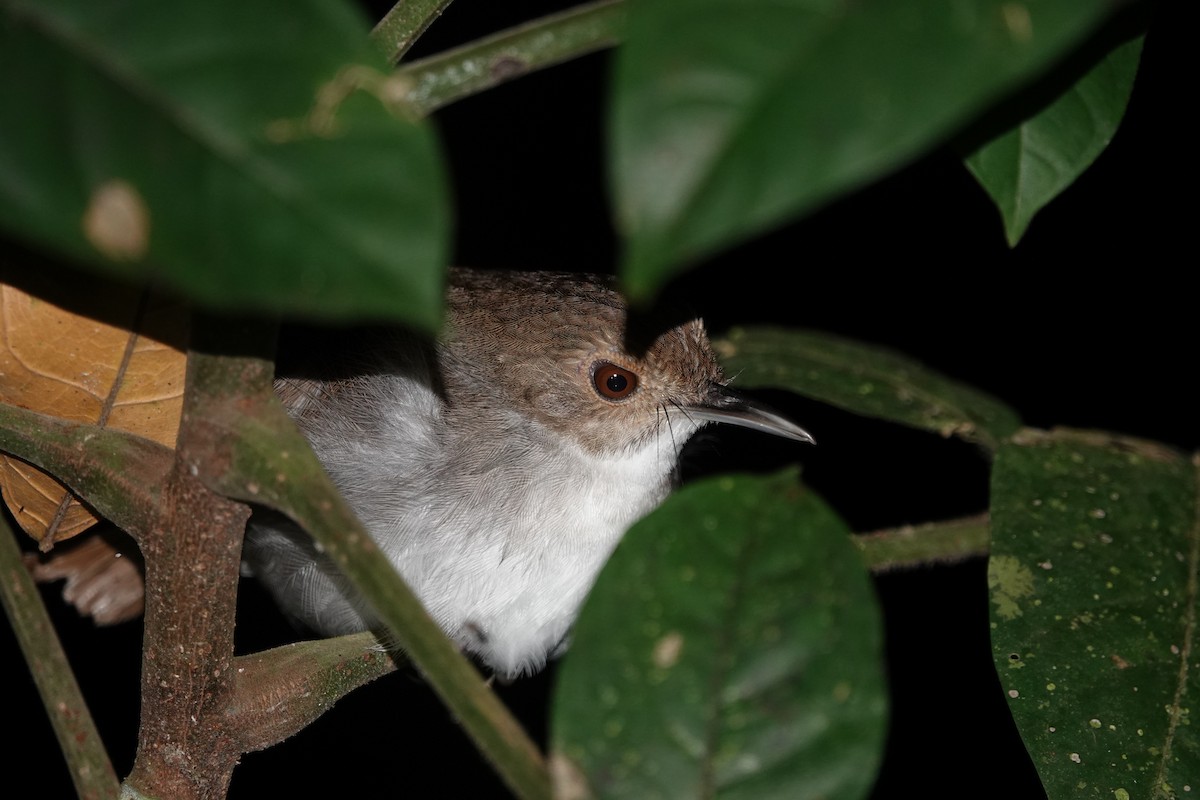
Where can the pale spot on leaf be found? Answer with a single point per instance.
(1018, 21)
(117, 221)
(667, 650)
(1010, 581)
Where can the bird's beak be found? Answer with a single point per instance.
(733, 408)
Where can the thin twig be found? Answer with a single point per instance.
(439, 80)
(924, 545)
(78, 738)
(404, 24)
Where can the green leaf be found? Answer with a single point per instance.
(731, 648)
(730, 116)
(864, 379)
(1093, 576)
(1029, 166)
(245, 154)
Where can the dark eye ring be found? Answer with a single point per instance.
(613, 382)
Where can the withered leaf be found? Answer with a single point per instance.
(125, 372)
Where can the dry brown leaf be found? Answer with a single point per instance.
(122, 375)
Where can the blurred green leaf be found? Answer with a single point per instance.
(245, 154)
(864, 379)
(1093, 576)
(1029, 166)
(731, 115)
(731, 648)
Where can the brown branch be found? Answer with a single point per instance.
(186, 746)
(191, 540)
(192, 563)
(200, 712)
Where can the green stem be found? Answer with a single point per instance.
(922, 545)
(78, 738)
(119, 474)
(439, 80)
(404, 24)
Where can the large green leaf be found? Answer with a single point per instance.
(245, 154)
(1029, 166)
(731, 648)
(865, 379)
(1093, 574)
(731, 115)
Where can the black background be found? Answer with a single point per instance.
(1089, 323)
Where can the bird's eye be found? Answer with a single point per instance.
(613, 382)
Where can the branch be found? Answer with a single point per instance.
(405, 23)
(924, 545)
(440, 80)
(121, 475)
(186, 748)
(78, 738)
(192, 559)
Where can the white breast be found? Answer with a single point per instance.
(513, 601)
(501, 546)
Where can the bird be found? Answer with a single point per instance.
(499, 464)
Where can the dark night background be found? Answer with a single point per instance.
(1087, 323)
